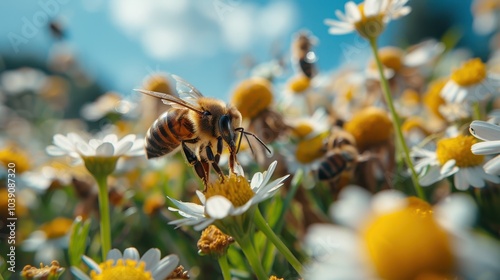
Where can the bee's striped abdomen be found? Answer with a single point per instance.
(167, 132)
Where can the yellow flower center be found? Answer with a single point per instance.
(470, 73)
(369, 27)
(13, 154)
(410, 97)
(310, 149)
(51, 271)
(299, 84)
(158, 83)
(122, 270)
(459, 149)
(414, 123)
(252, 96)
(391, 57)
(153, 203)
(370, 127)
(408, 243)
(433, 99)
(57, 227)
(302, 129)
(235, 188)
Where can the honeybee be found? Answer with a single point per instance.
(198, 125)
(302, 54)
(340, 158)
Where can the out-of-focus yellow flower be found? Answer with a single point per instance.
(371, 126)
(252, 96)
(299, 84)
(14, 154)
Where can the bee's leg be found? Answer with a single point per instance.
(198, 165)
(220, 145)
(214, 160)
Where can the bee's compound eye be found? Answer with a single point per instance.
(226, 130)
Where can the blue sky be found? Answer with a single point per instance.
(120, 42)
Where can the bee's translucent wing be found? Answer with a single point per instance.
(185, 90)
(172, 100)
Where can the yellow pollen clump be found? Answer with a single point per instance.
(299, 84)
(309, 150)
(369, 27)
(470, 73)
(273, 277)
(214, 241)
(414, 123)
(13, 154)
(391, 57)
(408, 243)
(178, 274)
(57, 227)
(459, 149)
(370, 127)
(433, 99)
(252, 96)
(122, 270)
(302, 129)
(235, 188)
(158, 83)
(44, 272)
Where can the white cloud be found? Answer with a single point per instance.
(169, 29)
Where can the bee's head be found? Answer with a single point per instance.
(227, 125)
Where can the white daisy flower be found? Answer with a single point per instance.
(389, 236)
(230, 198)
(452, 156)
(486, 16)
(368, 18)
(109, 146)
(471, 82)
(130, 265)
(490, 133)
(108, 103)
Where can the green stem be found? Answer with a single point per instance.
(296, 181)
(261, 223)
(476, 111)
(396, 121)
(224, 267)
(253, 258)
(104, 213)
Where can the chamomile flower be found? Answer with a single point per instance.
(490, 133)
(224, 200)
(452, 157)
(103, 152)
(368, 18)
(129, 265)
(389, 236)
(471, 82)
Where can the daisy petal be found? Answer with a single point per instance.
(218, 207)
(165, 267)
(131, 254)
(105, 149)
(485, 131)
(493, 166)
(151, 258)
(486, 148)
(114, 254)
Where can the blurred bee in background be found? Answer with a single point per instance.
(302, 55)
(198, 125)
(341, 156)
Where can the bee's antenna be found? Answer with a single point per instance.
(245, 133)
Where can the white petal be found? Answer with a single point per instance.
(388, 201)
(474, 176)
(188, 207)
(456, 212)
(485, 131)
(460, 181)
(123, 147)
(63, 142)
(79, 274)
(151, 258)
(202, 225)
(55, 151)
(432, 176)
(486, 148)
(114, 254)
(85, 149)
(493, 166)
(218, 207)
(352, 11)
(105, 149)
(352, 206)
(91, 264)
(131, 253)
(111, 138)
(448, 168)
(165, 267)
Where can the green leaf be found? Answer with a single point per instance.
(78, 240)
